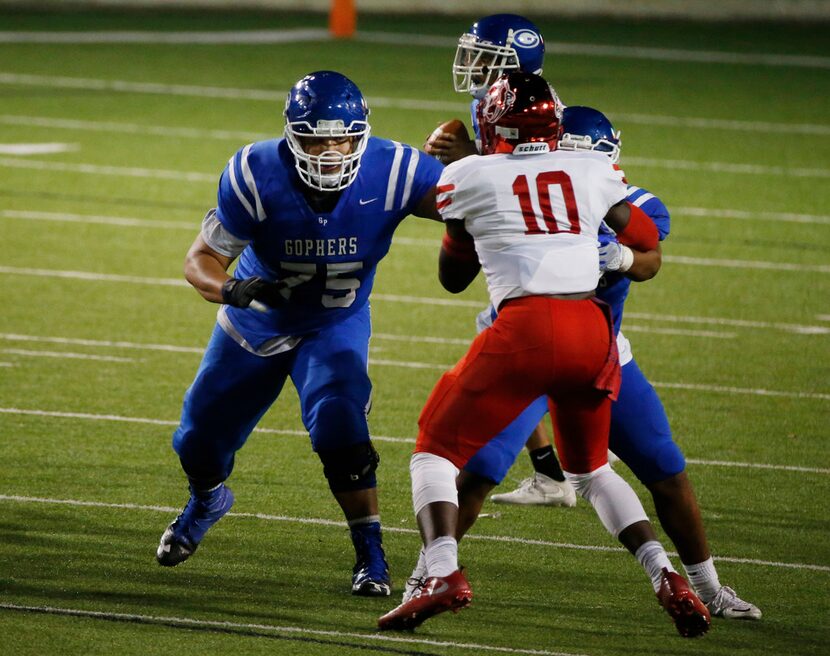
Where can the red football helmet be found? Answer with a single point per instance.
(520, 112)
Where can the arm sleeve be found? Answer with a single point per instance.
(427, 171)
(652, 206)
(238, 206)
(658, 213)
(219, 238)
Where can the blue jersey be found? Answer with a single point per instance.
(613, 287)
(326, 259)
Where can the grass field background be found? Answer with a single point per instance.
(100, 336)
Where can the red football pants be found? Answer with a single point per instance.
(537, 346)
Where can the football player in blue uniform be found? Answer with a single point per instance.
(309, 216)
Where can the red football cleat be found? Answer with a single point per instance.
(689, 614)
(440, 593)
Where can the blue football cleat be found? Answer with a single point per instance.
(203, 510)
(370, 576)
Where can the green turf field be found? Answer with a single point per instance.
(100, 336)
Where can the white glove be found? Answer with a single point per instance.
(614, 256)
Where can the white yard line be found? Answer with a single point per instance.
(726, 389)
(745, 264)
(65, 354)
(85, 416)
(410, 104)
(726, 167)
(121, 171)
(196, 176)
(246, 37)
(13, 498)
(798, 328)
(616, 51)
(15, 337)
(261, 37)
(36, 148)
(127, 222)
(702, 212)
(402, 241)
(802, 329)
(780, 217)
(131, 128)
(190, 623)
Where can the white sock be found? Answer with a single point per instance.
(421, 565)
(704, 578)
(441, 556)
(652, 556)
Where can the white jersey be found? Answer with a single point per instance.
(534, 217)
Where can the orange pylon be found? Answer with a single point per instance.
(342, 18)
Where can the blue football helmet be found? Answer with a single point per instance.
(326, 105)
(586, 128)
(493, 46)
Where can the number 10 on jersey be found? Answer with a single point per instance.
(544, 181)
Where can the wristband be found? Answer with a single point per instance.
(626, 258)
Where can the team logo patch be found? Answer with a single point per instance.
(525, 39)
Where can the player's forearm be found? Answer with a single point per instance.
(646, 265)
(458, 263)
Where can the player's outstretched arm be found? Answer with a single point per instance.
(458, 263)
(426, 207)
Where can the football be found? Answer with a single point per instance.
(454, 127)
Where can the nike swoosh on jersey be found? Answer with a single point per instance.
(366, 202)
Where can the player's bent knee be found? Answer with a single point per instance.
(615, 503)
(433, 480)
(350, 468)
(666, 460)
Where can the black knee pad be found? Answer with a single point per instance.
(350, 468)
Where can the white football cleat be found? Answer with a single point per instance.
(539, 490)
(727, 604)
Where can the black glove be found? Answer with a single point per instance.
(240, 293)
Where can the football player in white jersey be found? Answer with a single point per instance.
(528, 216)
(640, 431)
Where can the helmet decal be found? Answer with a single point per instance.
(524, 38)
